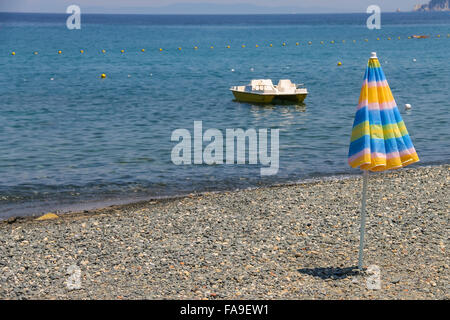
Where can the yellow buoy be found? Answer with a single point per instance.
(366, 40)
(13, 53)
(389, 38)
(332, 41)
(257, 46)
(195, 48)
(297, 43)
(81, 51)
(143, 50)
(399, 38)
(59, 52)
(271, 45)
(309, 42)
(243, 46)
(228, 47)
(321, 42)
(212, 47)
(122, 51)
(160, 49)
(438, 35)
(103, 76)
(179, 48)
(409, 37)
(378, 39)
(36, 52)
(103, 51)
(339, 63)
(284, 44)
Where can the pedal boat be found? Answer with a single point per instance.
(264, 91)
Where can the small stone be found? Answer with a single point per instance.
(48, 216)
(395, 280)
(11, 220)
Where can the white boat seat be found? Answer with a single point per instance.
(286, 86)
(264, 85)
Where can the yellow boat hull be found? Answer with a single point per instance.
(297, 98)
(251, 97)
(268, 98)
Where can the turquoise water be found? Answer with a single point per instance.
(78, 138)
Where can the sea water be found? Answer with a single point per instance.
(69, 138)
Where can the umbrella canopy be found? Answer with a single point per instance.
(379, 139)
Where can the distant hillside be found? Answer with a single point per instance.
(434, 5)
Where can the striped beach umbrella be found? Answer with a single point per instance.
(379, 138)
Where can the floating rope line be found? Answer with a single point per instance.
(283, 44)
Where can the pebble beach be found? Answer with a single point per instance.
(282, 242)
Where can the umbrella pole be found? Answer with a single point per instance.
(363, 220)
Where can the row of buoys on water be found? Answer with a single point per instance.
(103, 76)
(284, 44)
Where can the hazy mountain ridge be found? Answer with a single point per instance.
(214, 8)
(434, 5)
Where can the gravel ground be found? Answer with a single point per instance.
(285, 242)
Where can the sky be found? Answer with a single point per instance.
(206, 6)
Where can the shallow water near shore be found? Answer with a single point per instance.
(78, 139)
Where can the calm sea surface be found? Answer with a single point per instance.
(78, 139)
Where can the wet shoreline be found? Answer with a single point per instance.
(35, 208)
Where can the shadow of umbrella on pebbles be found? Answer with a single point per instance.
(330, 272)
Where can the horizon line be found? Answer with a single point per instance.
(213, 14)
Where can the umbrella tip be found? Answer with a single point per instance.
(373, 55)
